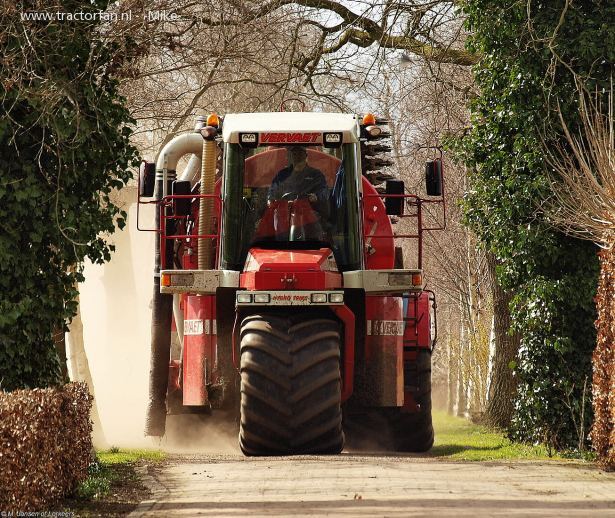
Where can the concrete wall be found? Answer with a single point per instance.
(115, 308)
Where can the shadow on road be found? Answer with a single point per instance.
(446, 450)
(353, 505)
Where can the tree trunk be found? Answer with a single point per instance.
(451, 378)
(60, 344)
(503, 385)
(461, 400)
(80, 371)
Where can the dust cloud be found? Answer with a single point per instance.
(193, 433)
(116, 311)
(367, 433)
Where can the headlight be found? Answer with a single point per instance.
(319, 298)
(400, 279)
(336, 298)
(262, 298)
(244, 298)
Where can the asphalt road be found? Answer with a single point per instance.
(373, 485)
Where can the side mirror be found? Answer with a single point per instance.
(433, 177)
(181, 206)
(147, 179)
(394, 206)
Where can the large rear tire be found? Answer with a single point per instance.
(290, 385)
(413, 432)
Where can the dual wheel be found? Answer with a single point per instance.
(413, 432)
(395, 429)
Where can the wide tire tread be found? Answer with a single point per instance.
(264, 397)
(290, 385)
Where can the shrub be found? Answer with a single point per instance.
(45, 445)
(603, 430)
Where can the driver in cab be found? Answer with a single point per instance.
(299, 180)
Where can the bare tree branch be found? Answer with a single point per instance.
(583, 181)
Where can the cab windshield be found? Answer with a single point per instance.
(291, 197)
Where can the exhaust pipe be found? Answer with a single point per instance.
(162, 305)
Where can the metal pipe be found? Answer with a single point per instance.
(176, 149)
(192, 170)
(162, 308)
(420, 232)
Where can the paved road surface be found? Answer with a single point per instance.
(360, 485)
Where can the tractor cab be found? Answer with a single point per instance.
(290, 190)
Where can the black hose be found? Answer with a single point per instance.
(162, 311)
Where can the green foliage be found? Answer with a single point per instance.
(113, 467)
(524, 76)
(64, 147)
(98, 482)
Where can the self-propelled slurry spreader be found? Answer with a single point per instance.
(276, 267)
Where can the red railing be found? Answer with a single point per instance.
(414, 202)
(166, 207)
(167, 214)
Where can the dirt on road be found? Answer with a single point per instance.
(374, 485)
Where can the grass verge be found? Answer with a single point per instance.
(113, 487)
(459, 439)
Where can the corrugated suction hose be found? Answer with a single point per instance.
(208, 177)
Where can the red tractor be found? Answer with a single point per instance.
(277, 268)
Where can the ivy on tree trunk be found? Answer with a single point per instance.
(64, 147)
(531, 52)
(503, 385)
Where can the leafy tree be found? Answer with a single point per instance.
(532, 52)
(64, 147)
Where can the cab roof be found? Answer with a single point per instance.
(297, 123)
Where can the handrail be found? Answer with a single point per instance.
(167, 203)
(413, 200)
